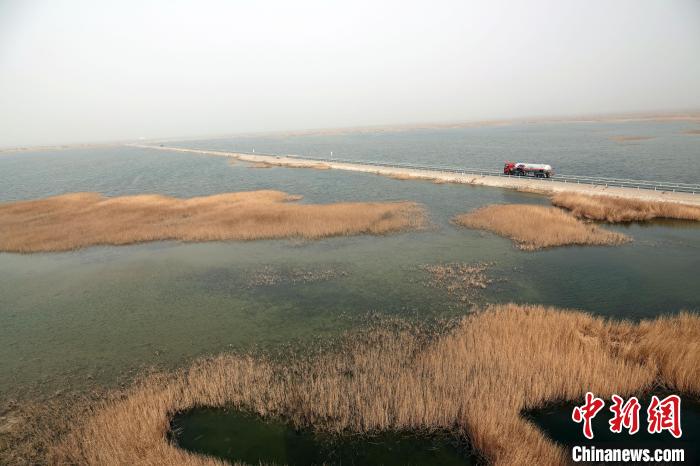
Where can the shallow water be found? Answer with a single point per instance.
(235, 436)
(90, 316)
(555, 421)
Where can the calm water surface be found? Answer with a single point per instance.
(236, 436)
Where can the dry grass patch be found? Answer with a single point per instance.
(536, 227)
(259, 165)
(291, 164)
(401, 176)
(73, 221)
(31, 429)
(271, 276)
(409, 176)
(412, 176)
(314, 165)
(617, 209)
(474, 380)
(630, 138)
(463, 281)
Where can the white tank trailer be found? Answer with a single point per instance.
(539, 170)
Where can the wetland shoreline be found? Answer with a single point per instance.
(407, 378)
(516, 183)
(198, 296)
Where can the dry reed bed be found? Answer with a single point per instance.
(460, 280)
(630, 138)
(616, 209)
(534, 227)
(78, 220)
(474, 380)
(414, 177)
(258, 165)
(402, 176)
(289, 164)
(270, 276)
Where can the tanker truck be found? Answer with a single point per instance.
(538, 170)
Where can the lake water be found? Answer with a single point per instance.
(76, 319)
(571, 148)
(236, 436)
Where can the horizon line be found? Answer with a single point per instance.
(651, 115)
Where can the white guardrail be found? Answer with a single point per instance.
(692, 188)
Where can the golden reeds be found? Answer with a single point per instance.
(474, 380)
(402, 176)
(269, 276)
(460, 280)
(78, 220)
(630, 138)
(616, 209)
(536, 227)
(291, 164)
(259, 165)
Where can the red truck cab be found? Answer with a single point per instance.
(538, 170)
(508, 168)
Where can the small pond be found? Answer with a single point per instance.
(235, 436)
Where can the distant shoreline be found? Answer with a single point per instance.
(57, 147)
(661, 117)
(693, 117)
(527, 184)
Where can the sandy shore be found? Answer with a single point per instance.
(521, 184)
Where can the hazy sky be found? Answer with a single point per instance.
(74, 71)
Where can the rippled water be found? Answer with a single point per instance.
(90, 316)
(581, 148)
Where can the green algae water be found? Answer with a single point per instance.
(235, 436)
